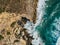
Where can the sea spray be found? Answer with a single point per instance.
(31, 27)
(40, 11)
(47, 24)
(31, 30)
(49, 27)
(58, 41)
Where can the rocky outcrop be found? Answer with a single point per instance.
(13, 16)
(13, 32)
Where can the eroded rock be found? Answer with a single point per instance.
(13, 15)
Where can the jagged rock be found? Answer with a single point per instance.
(20, 23)
(13, 29)
(24, 19)
(12, 25)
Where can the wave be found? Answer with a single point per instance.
(49, 28)
(46, 30)
(31, 27)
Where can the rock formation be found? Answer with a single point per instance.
(13, 15)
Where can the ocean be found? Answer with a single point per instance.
(46, 30)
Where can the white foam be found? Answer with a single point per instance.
(31, 27)
(40, 11)
(58, 41)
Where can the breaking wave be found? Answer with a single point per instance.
(31, 27)
(46, 30)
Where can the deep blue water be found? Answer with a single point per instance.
(49, 29)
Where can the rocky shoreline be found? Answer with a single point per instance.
(12, 30)
(13, 17)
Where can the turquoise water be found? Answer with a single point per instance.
(49, 27)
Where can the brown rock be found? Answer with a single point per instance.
(13, 15)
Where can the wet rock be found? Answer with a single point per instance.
(24, 37)
(24, 19)
(28, 42)
(20, 23)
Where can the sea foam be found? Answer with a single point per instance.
(31, 27)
